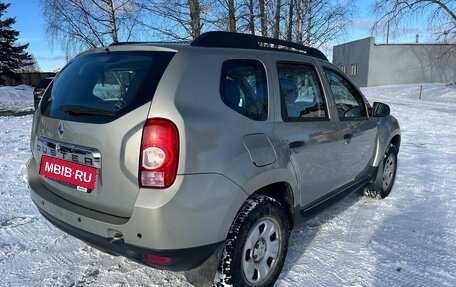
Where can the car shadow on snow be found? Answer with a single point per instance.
(302, 237)
(414, 244)
(411, 250)
(406, 239)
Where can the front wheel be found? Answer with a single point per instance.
(256, 245)
(389, 170)
(388, 174)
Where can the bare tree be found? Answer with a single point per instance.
(195, 17)
(224, 15)
(251, 17)
(246, 16)
(231, 16)
(263, 18)
(80, 24)
(319, 22)
(440, 14)
(277, 19)
(309, 19)
(310, 22)
(290, 20)
(175, 19)
(299, 20)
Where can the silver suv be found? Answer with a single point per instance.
(178, 156)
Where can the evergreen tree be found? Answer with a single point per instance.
(12, 56)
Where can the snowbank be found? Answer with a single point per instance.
(441, 93)
(16, 100)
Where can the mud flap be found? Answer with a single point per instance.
(204, 274)
(376, 186)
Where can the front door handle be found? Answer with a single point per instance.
(347, 138)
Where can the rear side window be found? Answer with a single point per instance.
(100, 88)
(300, 92)
(243, 88)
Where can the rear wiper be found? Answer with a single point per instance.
(81, 110)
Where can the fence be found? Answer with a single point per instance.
(30, 78)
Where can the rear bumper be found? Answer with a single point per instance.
(179, 259)
(185, 223)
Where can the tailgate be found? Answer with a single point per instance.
(110, 151)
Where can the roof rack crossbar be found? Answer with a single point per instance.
(247, 41)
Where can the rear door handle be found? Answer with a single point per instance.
(347, 138)
(296, 144)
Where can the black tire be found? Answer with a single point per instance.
(250, 258)
(389, 170)
(388, 174)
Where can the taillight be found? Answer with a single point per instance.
(159, 154)
(38, 91)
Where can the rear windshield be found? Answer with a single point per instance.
(100, 88)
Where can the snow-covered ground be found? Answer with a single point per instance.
(16, 100)
(407, 239)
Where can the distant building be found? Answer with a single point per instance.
(370, 64)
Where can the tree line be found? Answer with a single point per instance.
(76, 25)
(79, 24)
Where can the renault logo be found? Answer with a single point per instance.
(61, 128)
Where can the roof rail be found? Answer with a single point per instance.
(221, 39)
(150, 42)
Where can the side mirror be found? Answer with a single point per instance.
(380, 109)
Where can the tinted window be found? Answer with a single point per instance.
(243, 88)
(300, 92)
(44, 83)
(101, 87)
(349, 102)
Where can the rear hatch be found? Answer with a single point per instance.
(87, 132)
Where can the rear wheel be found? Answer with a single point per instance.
(256, 245)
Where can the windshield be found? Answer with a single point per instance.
(99, 88)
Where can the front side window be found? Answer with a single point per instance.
(301, 93)
(349, 102)
(243, 88)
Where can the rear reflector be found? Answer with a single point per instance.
(159, 154)
(158, 259)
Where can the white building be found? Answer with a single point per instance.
(370, 64)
